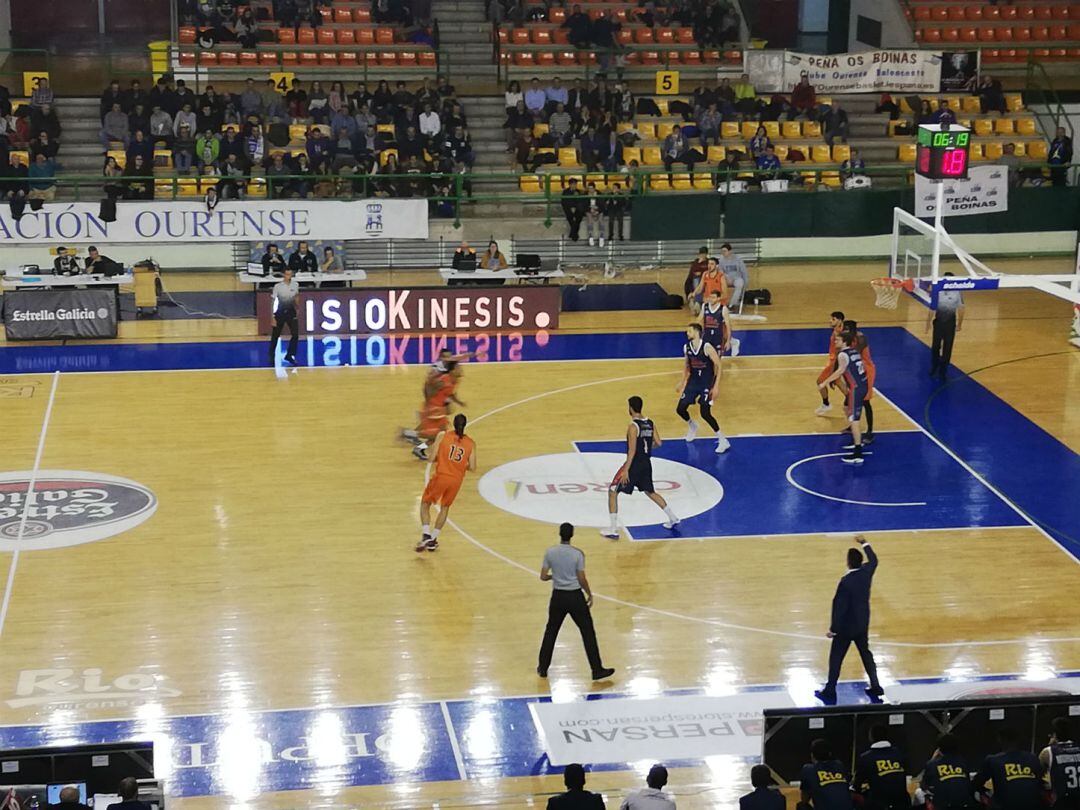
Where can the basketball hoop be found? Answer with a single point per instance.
(887, 291)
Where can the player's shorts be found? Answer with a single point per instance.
(433, 420)
(857, 397)
(696, 395)
(639, 477)
(441, 489)
(826, 373)
(716, 341)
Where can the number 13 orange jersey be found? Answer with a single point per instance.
(453, 457)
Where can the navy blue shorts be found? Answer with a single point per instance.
(858, 394)
(638, 477)
(695, 394)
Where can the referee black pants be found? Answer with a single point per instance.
(570, 603)
(286, 317)
(941, 344)
(840, 646)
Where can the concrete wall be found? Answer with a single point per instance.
(895, 29)
(874, 247)
(5, 35)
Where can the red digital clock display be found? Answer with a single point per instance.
(954, 162)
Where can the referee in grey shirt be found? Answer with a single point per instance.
(947, 319)
(286, 300)
(564, 566)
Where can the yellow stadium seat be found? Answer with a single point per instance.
(748, 129)
(811, 129)
(703, 181)
(385, 154)
(1014, 102)
(623, 126)
(791, 129)
(955, 103)
(647, 131)
(529, 183)
(599, 179)
(651, 156)
(297, 132)
(630, 153)
(729, 130)
(831, 179)
(659, 182)
(540, 130)
(904, 106)
(681, 182)
(772, 129)
(906, 153)
(1037, 150)
(662, 105)
(663, 130)
(782, 151)
(801, 147)
(824, 100)
(716, 154)
(993, 150)
(163, 158)
(568, 157)
(841, 152)
(976, 152)
(1025, 126)
(163, 189)
(187, 187)
(983, 127)
(1004, 126)
(971, 104)
(1018, 149)
(821, 154)
(119, 155)
(256, 188)
(809, 178)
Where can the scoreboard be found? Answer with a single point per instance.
(942, 151)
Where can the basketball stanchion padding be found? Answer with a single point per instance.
(887, 291)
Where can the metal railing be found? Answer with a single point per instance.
(614, 60)
(1038, 83)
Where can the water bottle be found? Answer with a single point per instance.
(34, 803)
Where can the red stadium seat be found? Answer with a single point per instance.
(1004, 33)
(384, 36)
(990, 54)
(545, 58)
(305, 36)
(624, 36)
(328, 59)
(1043, 12)
(249, 58)
(542, 36)
(733, 56)
(187, 34)
(520, 36)
(1040, 33)
(1059, 32)
(1008, 12)
(986, 33)
(1022, 33)
(991, 13)
(286, 36)
(566, 58)
(939, 13)
(973, 12)
(343, 16)
(560, 37)
(427, 59)
(557, 15)
(691, 57)
(187, 58)
(931, 34)
(710, 57)
(351, 59)
(922, 13)
(523, 59)
(1074, 31)
(950, 34)
(956, 13)
(665, 36)
(387, 59)
(228, 58)
(1061, 12)
(327, 15)
(650, 58)
(346, 36)
(309, 58)
(268, 59)
(207, 58)
(1025, 12)
(365, 36)
(289, 59)
(407, 59)
(968, 34)
(325, 36)
(685, 36)
(643, 35)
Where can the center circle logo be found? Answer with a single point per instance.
(68, 508)
(573, 487)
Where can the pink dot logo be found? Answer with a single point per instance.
(543, 319)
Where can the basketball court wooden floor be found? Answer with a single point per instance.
(221, 558)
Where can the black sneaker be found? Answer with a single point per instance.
(290, 359)
(852, 458)
(868, 438)
(603, 674)
(432, 544)
(421, 547)
(874, 691)
(541, 672)
(826, 696)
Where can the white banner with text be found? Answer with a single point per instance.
(894, 71)
(230, 221)
(986, 191)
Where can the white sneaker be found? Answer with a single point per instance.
(671, 524)
(691, 431)
(722, 445)
(611, 534)
(823, 409)
(601, 241)
(592, 242)
(735, 344)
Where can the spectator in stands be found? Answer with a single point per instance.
(430, 126)
(134, 95)
(768, 165)
(402, 98)
(651, 797)
(208, 119)
(519, 122)
(676, 149)
(42, 178)
(1016, 775)
(446, 91)
(138, 120)
(746, 101)
(536, 100)
(729, 168)
(296, 100)
(622, 102)
(709, 125)
(42, 94)
(162, 95)
(512, 96)
(560, 126)
(594, 214)
(383, 98)
(493, 258)
(183, 149)
(944, 114)
(575, 797)
(853, 165)
(318, 103)
(388, 184)
(410, 145)
(759, 143)
(161, 126)
(233, 178)
(596, 150)
(115, 127)
(69, 799)
(991, 96)
(254, 147)
(573, 206)
(271, 102)
(555, 94)
(824, 783)
(232, 144)
(317, 146)
(207, 149)
(303, 260)
(14, 185)
(185, 116)
(835, 124)
(250, 100)
(365, 125)
(141, 145)
(887, 105)
(880, 773)
(183, 95)
(138, 184)
(1059, 157)
(1010, 160)
(945, 778)
(616, 206)
(577, 104)
(275, 174)
(578, 27)
(111, 171)
(43, 145)
(926, 113)
(803, 97)
(762, 797)
(44, 119)
(111, 95)
(602, 32)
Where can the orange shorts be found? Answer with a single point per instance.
(433, 420)
(824, 375)
(441, 489)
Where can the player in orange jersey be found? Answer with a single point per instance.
(863, 345)
(455, 454)
(836, 321)
(711, 279)
(434, 417)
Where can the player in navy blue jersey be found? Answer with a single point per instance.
(1016, 775)
(880, 775)
(824, 783)
(850, 366)
(1061, 759)
(700, 385)
(715, 323)
(946, 780)
(636, 472)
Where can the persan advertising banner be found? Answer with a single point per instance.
(410, 310)
(57, 314)
(986, 191)
(894, 71)
(230, 221)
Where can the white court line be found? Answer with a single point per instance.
(716, 622)
(791, 480)
(26, 504)
(454, 745)
(845, 536)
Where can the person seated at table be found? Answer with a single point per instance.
(330, 263)
(66, 263)
(493, 259)
(96, 264)
(462, 253)
(273, 262)
(303, 260)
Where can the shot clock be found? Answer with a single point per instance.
(942, 151)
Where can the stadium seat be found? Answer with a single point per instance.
(729, 130)
(325, 36)
(971, 104)
(289, 59)
(1019, 149)
(716, 154)
(811, 129)
(520, 36)
(682, 182)
(782, 151)
(831, 179)
(703, 181)
(163, 189)
(987, 33)
(249, 58)
(523, 59)
(651, 156)
(163, 158)
(950, 33)
(286, 36)
(983, 127)
(1037, 150)
(931, 34)
(119, 155)
(568, 158)
(685, 36)
(643, 35)
(1061, 11)
(1025, 126)
(207, 58)
(659, 182)
(791, 129)
(305, 36)
(631, 153)
(772, 129)
(309, 58)
(939, 13)
(975, 151)
(841, 152)
(821, 153)
(384, 36)
(1014, 102)
(691, 57)
(1004, 126)
(748, 129)
(967, 34)
(647, 131)
(973, 12)
(328, 59)
(906, 153)
(187, 187)
(530, 184)
(228, 59)
(665, 36)
(365, 36)
(346, 36)
(541, 36)
(650, 57)
(921, 13)
(256, 188)
(187, 34)
(993, 150)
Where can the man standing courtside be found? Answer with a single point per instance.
(947, 318)
(851, 621)
(564, 567)
(285, 302)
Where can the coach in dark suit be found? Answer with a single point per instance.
(576, 796)
(851, 621)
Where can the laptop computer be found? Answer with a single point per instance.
(467, 264)
(256, 269)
